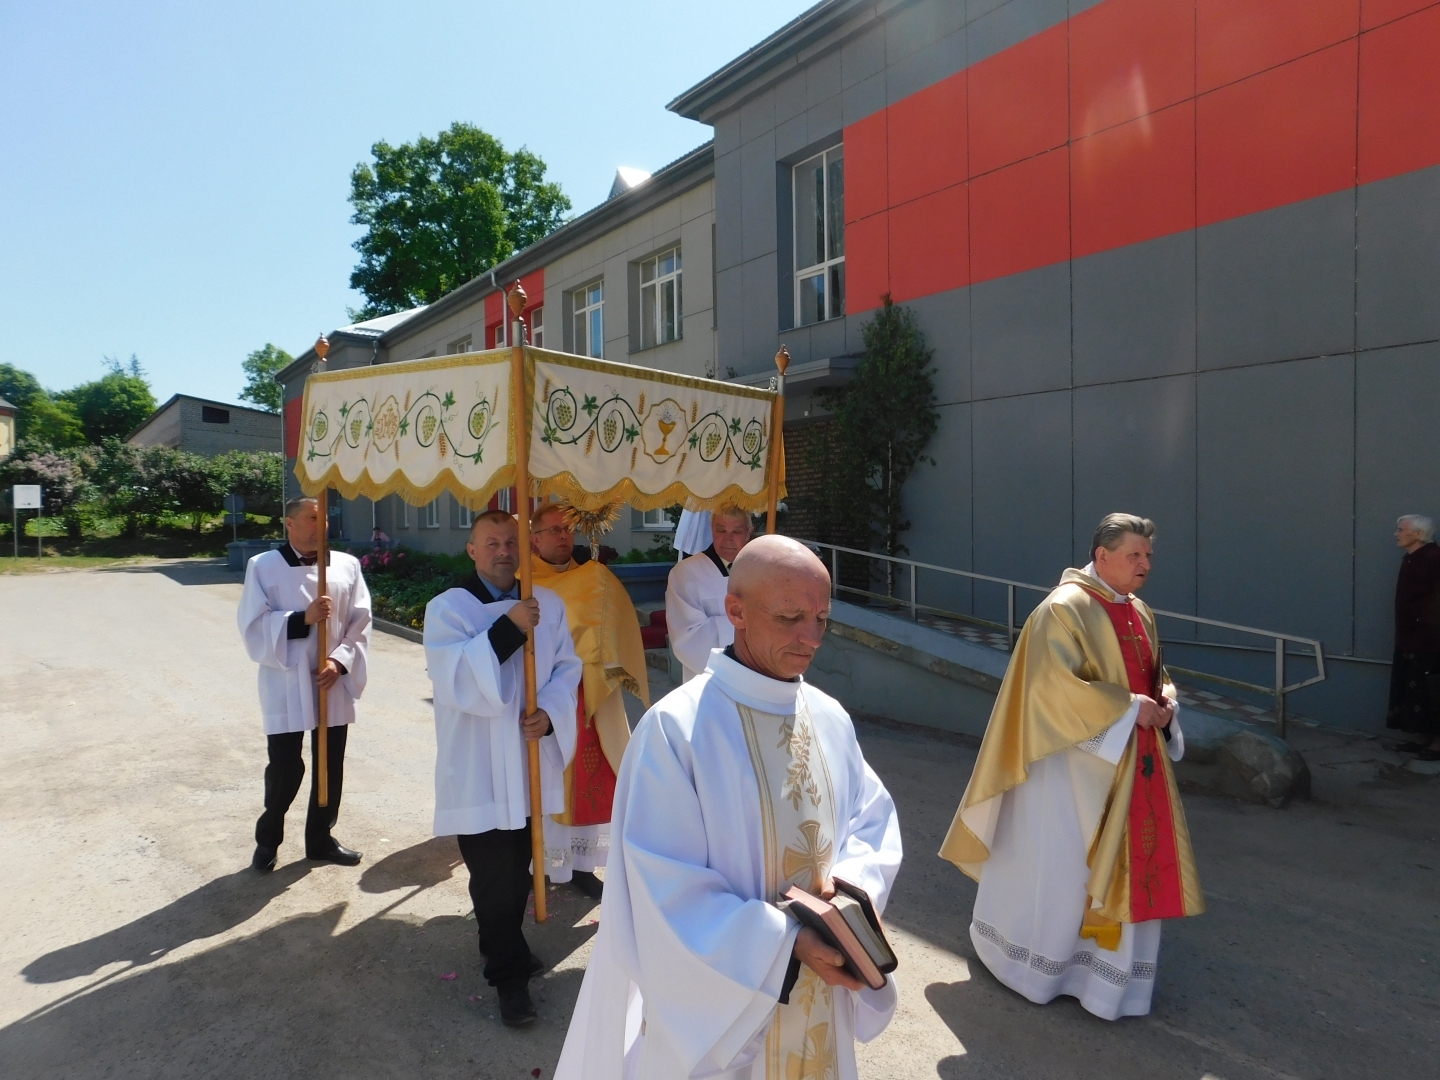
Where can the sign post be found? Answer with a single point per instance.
(234, 513)
(25, 497)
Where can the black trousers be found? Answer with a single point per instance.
(282, 783)
(1415, 693)
(500, 884)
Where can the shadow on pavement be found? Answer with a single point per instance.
(300, 999)
(214, 908)
(184, 571)
(419, 866)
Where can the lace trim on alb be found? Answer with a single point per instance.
(1139, 969)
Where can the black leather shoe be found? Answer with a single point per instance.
(1428, 755)
(1412, 747)
(516, 1008)
(537, 966)
(588, 884)
(263, 861)
(338, 853)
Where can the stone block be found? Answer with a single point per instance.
(1260, 768)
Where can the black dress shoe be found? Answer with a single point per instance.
(1412, 747)
(588, 884)
(263, 861)
(337, 853)
(1428, 755)
(516, 1008)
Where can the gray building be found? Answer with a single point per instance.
(208, 427)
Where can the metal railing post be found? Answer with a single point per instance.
(1280, 687)
(834, 573)
(1009, 618)
(914, 610)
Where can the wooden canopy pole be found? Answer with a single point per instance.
(322, 641)
(777, 438)
(520, 413)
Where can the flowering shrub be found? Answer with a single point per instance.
(403, 582)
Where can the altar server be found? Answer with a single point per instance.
(740, 783)
(474, 642)
(607, 638)
(1071, 821)
(695, 593)
(279, 609)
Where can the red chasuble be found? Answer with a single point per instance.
(594, 779)
(1155, 890)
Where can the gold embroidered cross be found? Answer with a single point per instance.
(813, 855)
(817, 1061)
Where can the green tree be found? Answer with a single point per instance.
(62, 484)
(883, 420)
(254, 474)
(41, 420)
(438, 212)
(113, 405)
(260, 369)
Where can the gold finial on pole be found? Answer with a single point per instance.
(777, 438)
(517, 299)
(322, 347)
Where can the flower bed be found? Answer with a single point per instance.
(402, 582)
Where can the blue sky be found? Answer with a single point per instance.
(173, 176)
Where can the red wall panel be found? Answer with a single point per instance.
(1134, 182)
(1400, 97)
(1019, 101)
(866, 162)
(930, 240)
(1236, 38)
(928, 145)
(1020, 217)
(867, 261)
(1375, 12)
(1128, 58)
(293, 423)
(1278, 137)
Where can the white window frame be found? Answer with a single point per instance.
(589, 314)
(404, 516)
(502, 501)
(537, 328)
(656, 521)
(831, 267)
(460, 346)
(464, 516)
(653, 288)
(500, 334)
(430, 514)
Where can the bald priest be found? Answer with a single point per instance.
(1072, 822)
(741, 783)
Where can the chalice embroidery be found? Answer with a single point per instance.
(666, 421)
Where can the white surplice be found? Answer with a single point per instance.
(482, 772)
(734, 786)
(1026, 924)
(695, 611)
(274, 590)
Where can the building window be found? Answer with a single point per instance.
(461, 346)
(501, 500)
(820, 237)
(656, 519)
(402, 517)
(430, 515)
(498, 335)
(537, 328)
(464, 516)
(211, 415)
(660, 299)
(589, 303)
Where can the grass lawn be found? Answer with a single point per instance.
(103, 546)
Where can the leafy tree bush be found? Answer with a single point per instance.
(260, 368)
(40, 419)
(438, 212)
(254, 475)
(113, 405)
(402, 582)
(62, 483)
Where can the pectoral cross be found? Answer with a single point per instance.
(813, 855)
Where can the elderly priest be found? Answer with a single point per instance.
(474, 641)
(1072, 822)
(741, 783)
(279, 608)
(607, 639)
(695, 593)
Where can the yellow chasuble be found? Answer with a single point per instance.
(607, 640)
(1067, 683)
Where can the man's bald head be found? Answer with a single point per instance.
(778, 600)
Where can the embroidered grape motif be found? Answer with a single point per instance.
(478, 416)
(320, 427)
(427, 427)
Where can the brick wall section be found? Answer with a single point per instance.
(247, 430)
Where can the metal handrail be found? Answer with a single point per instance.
(1278, 690)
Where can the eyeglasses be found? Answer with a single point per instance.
(554, 530)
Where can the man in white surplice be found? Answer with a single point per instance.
(278, 611)
(695, 593)
(740, 783)
(474, 641)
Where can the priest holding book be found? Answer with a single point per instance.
(740, 784)
(1072, 822)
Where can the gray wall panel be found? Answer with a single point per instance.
(730, 321)
(791, 137)
(1398, 288)
(862, 99)
(862, 58)
(826, 120)
(1135, 311)
(1020, 332)
(1276, 450)
(1011, 24)
(1278, 285)
(791, 98)
(1021, 478)
(824, 79)
(1397, 468)
(729, 210)
(915, 27)
(1135, 453)
(945, 320)
(757, 287)
(757, 196)
(937, 502)
(757, 116)
(926, 66)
